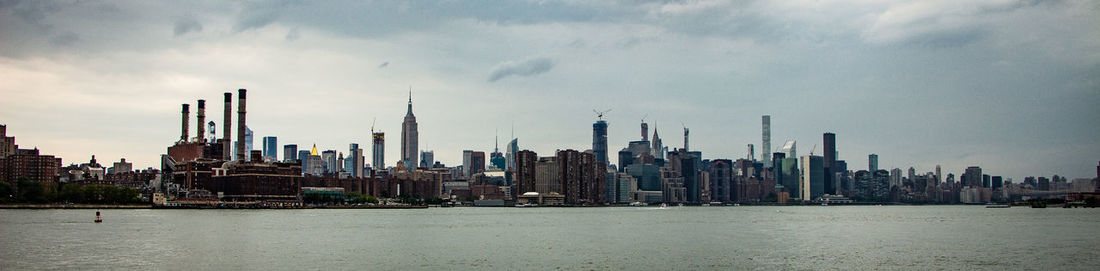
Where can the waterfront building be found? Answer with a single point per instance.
(721, 179)
(525, 172)
(813, 179)
(271, 148)
(409, 138)
(829, 156)
(788, 176)
(648, 176)
(290, 153)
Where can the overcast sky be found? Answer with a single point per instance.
(1011, 86)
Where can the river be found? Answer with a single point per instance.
(612, 238)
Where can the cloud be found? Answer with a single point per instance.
(186, 25)
(293, 34)
(65, 39)
(529, 67)
(384, 64)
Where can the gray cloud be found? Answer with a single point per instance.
(529, 67)
(186, 25)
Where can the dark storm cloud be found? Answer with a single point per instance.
(527, 67)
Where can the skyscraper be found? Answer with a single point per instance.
(271, 148)
(813, 179)
(872, 163)
(328, 157)
(789, 149)
(599, 141)
(766, 146)
(290, 153)
(427, 159)
(973, 176)
(409, 137)
(513, 149)
(829, 158)
(378, 151)
(658, 149)
(355, 160)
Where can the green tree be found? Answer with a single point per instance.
(31, 191)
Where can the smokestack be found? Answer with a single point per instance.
(240, 124)
(186, 121)
(227, 126)
(202, 122)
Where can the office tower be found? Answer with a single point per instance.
(496, 158)
(658, 149)
(467, 162)
(938, 177)
(788, 169)
(378, 151)
(599, 141)
(242, 153)
(341, 163)
(645, 131)
(998, 182)
(290, 153)
(872, 163)
(813, 177)
(829, 156)
(789, 149)
(427, 158)
(303, 157)
(271, 148)
(973, 176)
(986, 182)
(752, 153)
(227, 121)
(895, 177)
(513, 149)
(409, 138)
(765, 153)
(355, 155)
(328, 157)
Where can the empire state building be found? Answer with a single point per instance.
(409, 135)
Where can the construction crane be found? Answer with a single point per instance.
(372, 125)
(599, 114)
(812, 149)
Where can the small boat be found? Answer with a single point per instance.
(997, 206)
(663, 206)
(98, 218)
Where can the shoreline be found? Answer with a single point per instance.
(75, 206)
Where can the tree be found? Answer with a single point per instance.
(30, 191)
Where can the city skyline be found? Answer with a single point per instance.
(951, 93)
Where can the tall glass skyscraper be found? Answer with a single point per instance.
(599, 141)
(271, 148)
(813, 177)
(766, 151)
(290, 153)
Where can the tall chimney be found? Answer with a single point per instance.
(227, 126)
(241, 154)
(201, 125)
(186, 121)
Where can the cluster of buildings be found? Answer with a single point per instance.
(207, 169)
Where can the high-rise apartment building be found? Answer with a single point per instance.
(378, 151)
(427, 159)
(766, 136)
(355, 160)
